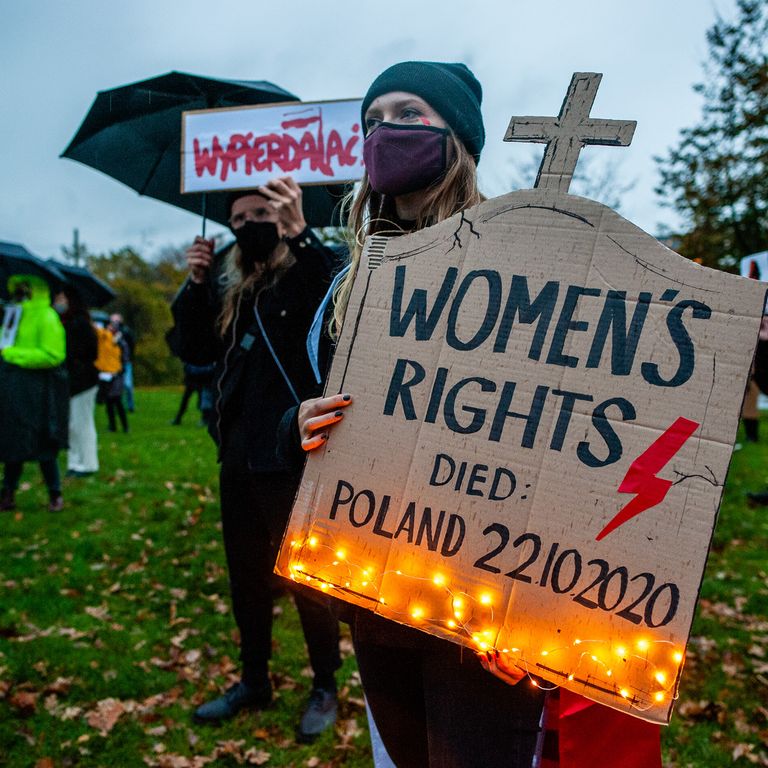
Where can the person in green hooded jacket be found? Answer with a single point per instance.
(34, 398)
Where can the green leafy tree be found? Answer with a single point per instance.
(716, 178)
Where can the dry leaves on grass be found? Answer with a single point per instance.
(24, 702)
(702, 711)
(747, 751)
(230, 748)
(105, 715)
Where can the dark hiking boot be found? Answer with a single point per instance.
(56, 503)
(237, 697)
(7, 501)
(319, 715)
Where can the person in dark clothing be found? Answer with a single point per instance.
(250, 315)
(115, 388)
(33, 391)
(129, 346)
(434, 703)
(82, 351)
(197, 379)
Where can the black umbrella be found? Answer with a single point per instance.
(133, 134)
(93, 291)
(15, 259)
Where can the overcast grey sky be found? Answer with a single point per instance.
(55, 56)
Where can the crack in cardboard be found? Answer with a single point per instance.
(456, 239)
(543, 208)
(646, 265)
(711, 480)
(413, 252)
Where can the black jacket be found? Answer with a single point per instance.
(251, 392)
(82, 350)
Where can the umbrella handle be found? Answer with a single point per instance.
(204, 211)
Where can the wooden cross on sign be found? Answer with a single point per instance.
(568, 133)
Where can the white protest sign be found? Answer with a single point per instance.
(243, 147)
(10, 327)
(545, 400)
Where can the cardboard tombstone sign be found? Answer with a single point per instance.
(545, 400)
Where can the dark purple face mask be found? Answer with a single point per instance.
(403, 158)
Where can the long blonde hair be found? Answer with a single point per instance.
(371, 213)
(236, 282)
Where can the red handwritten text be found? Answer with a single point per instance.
(277, 151)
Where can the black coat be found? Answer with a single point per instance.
(251, 392)
(82, 350)
(34, 412)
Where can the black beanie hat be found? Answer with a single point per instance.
(451, 89)
(237, 194)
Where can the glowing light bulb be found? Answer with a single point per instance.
(624, 692)
(659, 696)
(324, 586)
(485, 599)
(313, 542)
(382, 601)
(661, 678)
(545, 653)
(577, 641)
(621, 650)
(594, 658)
(570, 677)
(642, 645)
(677, 656)
(341, 554)
(417, 612)
(399, 573)
(534, 684)
(609, 672)
(439, 579)
(451, 623)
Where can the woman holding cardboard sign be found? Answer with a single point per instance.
(432, 702)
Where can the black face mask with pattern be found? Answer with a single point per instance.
(257, 241)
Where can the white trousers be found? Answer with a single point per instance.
(83, 453)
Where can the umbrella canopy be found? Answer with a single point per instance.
(94, 292)
(15, 259)
(133, 134)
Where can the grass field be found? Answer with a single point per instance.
(115, 623)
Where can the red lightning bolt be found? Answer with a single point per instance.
(641, 476)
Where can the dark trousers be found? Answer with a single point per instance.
(189, 390)
(49, 468)
(254, 513)
(116, 404)
(436, 707)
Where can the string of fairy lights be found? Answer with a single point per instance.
(471, 618)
